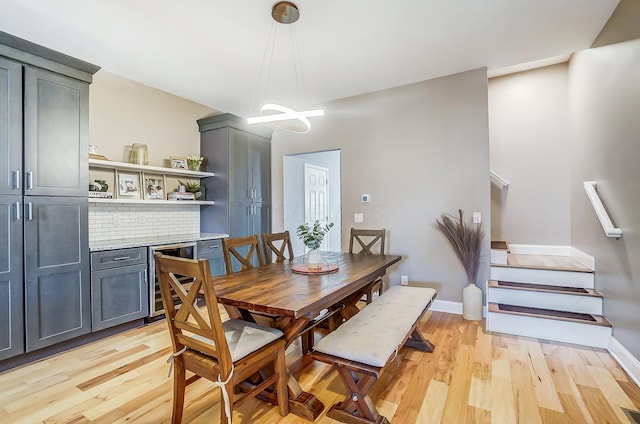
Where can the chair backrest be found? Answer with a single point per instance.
(244, 251)
(369, 242)
(276, 244)
(189, 323)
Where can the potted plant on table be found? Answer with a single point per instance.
(312, 236)
(466, 242)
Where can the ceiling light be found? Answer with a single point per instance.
(284, 117)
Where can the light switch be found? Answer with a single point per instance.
(358, 217)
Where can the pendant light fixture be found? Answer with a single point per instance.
(285, 13)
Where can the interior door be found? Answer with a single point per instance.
(316, 206)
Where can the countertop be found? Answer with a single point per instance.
(102, 245)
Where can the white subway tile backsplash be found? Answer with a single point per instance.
(120, 221)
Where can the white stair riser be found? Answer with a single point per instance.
(541, 276)
(499, 256)
(548, 329)
(543, 300)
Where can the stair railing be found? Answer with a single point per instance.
(497, 178)
(601, 212)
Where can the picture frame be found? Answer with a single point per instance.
(178, 162)
(154, 187)
(129, 185)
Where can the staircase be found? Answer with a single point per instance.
(545, 292)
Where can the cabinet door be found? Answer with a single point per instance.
(260, 169)
(57, 285)
(239, 185)
(260, 218)
(11, 285)
(119, 295)
(56, 122)
(211, 250)
(10, 127)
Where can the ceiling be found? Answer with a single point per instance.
(211, 51)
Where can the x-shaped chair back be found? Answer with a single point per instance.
(367, 241)
(277, 244)
(243, 250)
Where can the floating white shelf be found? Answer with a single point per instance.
(153, 202)
(108, 164)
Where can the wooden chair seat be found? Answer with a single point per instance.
(226, 353)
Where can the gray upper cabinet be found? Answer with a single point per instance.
(11, 285)
(240, 157)
(57, 285)
(56, 119)
(11, 127)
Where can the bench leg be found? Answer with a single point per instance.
(357, 408)
(417, 341)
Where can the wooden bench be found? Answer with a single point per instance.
(365, 344)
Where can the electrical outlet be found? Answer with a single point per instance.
(477, 218)
(404, 280)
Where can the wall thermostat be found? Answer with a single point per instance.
(365, 198)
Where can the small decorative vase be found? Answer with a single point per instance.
(193, 165)
(314, 259)
(472, 303)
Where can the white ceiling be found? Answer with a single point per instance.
(210, 51)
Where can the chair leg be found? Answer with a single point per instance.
(179, 375)
(229, 388)
(282, 391)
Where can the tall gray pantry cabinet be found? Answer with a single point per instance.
(44, 266)
(240, 156)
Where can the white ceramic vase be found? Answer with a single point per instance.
(472, 303)
(314, 258)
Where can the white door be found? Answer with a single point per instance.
(316, 187)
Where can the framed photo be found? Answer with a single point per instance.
(129, 185)
(178, 163)
(154, 187)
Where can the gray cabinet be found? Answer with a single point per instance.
(241, 159)
(119, 287)
(211, 250)
(56, 119)
(56, 276)
(11, 127)
(11, 283)
(43, 125)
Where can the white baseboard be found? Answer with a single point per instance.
(447, 306)
(627, 361)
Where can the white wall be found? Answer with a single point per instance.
(418, 150)
(530, 147)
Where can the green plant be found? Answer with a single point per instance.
(466, 242)
(312, 236)
(191, 187)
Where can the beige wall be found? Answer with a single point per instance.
(418, 150)
(528, 121)
(605, 114)
(125, 112)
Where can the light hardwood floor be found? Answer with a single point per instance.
(471, 377)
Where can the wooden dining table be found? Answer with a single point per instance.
(297, 299)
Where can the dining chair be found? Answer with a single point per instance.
(243, 251)
(277, 244)
(368, 242)
(226, 353)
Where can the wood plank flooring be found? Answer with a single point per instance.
(471, 377)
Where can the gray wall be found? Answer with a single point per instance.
(530, 147)
(604, 95)
(418, 150)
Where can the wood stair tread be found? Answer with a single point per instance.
(576, 291)
(549, 314)
(500, 245)
(544, 262)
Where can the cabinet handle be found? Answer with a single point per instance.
(16, 179)
(214, 247)
(18, 211)
(29, 211)
(29, 180)
(121, 258)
